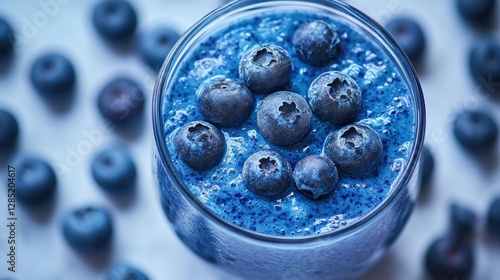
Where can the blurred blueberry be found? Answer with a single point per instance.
(53, 75)
(476, 131)
(316, 43)
(449, 257)
(266, 68)
(114, 170)
(315, 176)
(284, 118)
(409, 35)
(121, 101)
(88, 230)
(9, 131)
(115, 20)
(225, 102)
(427, 165)
(35, 180)
(155, 44)
(200, 145)
(463, 220)
(356, 149)
(493, 217)
(476, 11)
(335, 97)
(267, 173)
(6, 40)
(484, 64)
(121, 271)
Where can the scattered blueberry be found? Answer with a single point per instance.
(9, 130)
(475, 130)
(35, 180)
(427, 165)
(463, 220)
(484, 64)
(53, 75)
(6, 40)
(121, 101)
(493, 217)
(316, 43)
(114, 169)
(315, 176)
(449, 257)
(356, 149)
(476, 11)
(224, 101)
(284, 118)
(267, 173)
(88, 229)
(121, 271)
(266, 68)
(409, 35)
(155, 45)
(115, 20)
(200, 145)
(335, 97)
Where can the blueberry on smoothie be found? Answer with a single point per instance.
(88, 230)
(114, 170)
(315, 176)
(200, 145)
(9, 130)
(484, 64)
(122, 271)
(409, 35)
(493, 218)
(463, 220)
(356, 150)
(155, 44)
(316, 43)
(6, 40)
(335, 97)
(225, 102)
(267, 173)
(53, 75)
(115, 20)
(476, 11)
(35, 181)
(476, 131)
(265, 69)
(449, 257)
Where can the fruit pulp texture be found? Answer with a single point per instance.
(387, 107)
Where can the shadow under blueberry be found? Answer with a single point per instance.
(131, 130)
(123, 48)
(5, 65)
(98, 261)
(123, 199)
(61, 103)
(43, 212)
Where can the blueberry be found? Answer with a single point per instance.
(475, 130)
(121, 101)
(315, 176)
(316, 43)
(463, 220)
(53, 75)
(6, 40)
(476, 11)
(449, 257)
(224, 101)
(88, 230)
(267, 173)
(35, 180)
(284, 118)
(114, 169)
(409, 36)
(335, 97)
(155, 45)
(484, 64)
(9, 130)
(493, 218)
(200, 145)
(115, 20)
(266, 68)
(356, 149)
(427, 165)
(122, 271)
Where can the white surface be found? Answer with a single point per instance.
(143, 236)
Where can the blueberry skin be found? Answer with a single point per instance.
(493, 218)
(121, 271)
(267, 173)
(266, 68)
(476, 131)
(484, 63)
(115, 20)
(356, 150)
(409, 35)
(155, 45)
(315, 176)
(463, 220)
(88, 230)
(9, 130)
(224, 102)
(35, 181)
(427, 164)
(335, 97)
(121, 101)
(114, 169)
(200, 145)
(53, 75)
(284, 118)
(6, 40)
(449, 257)
(476, 11)
(316, 43)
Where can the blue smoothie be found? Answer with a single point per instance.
(387, 107)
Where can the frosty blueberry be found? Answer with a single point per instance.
(316, 43)
(315, 176)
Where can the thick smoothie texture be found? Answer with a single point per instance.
(387, 107)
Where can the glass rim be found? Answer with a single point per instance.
(395, 52)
